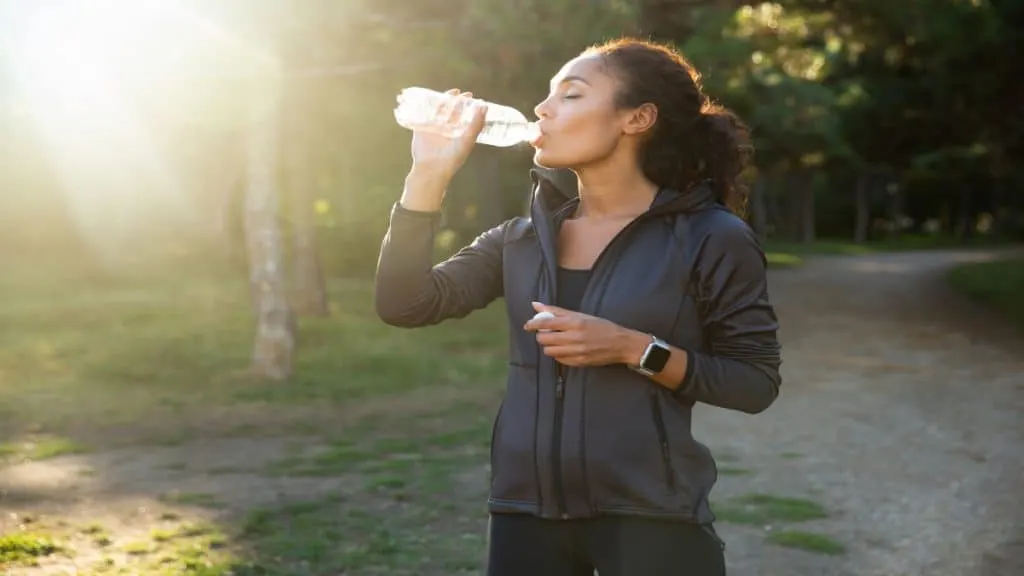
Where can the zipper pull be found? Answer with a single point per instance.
(560, 388)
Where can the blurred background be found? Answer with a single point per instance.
(193, 194)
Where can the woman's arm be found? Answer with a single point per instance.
(741, 369)
(410, 291)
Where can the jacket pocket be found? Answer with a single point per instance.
(513, 439)
(627, 466)
(666, 450)
(494, 432)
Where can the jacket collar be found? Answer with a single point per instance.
(555, 193)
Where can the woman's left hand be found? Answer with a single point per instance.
(577, 339)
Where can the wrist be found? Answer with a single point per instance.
(424, 190)
(634, 343)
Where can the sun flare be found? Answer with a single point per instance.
(71, 58)
(104, 81)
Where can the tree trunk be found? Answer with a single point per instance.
(808, 219)
(860, 233)
(895, 209)
(965, 223)
(792, 204)
(758, 207)
(310, 289)
(1000, 214)
(775, 188)
(273, 351)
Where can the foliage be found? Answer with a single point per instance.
(997, 284)
(921, 94)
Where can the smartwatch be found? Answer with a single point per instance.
(655, 357)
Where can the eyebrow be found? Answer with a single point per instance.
(571, 79)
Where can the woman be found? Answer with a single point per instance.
(659, 301)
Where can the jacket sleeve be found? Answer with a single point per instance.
(739, 369)
(411, 292)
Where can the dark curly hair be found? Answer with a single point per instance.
(693, 138)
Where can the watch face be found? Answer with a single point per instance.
(656, 358)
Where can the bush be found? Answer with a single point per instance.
(999, 284)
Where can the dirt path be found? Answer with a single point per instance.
(902, 412)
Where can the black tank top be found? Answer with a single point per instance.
(571, 285)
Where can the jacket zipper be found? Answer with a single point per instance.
(666, 453)
(556, 441)
(585, 480)
(556, 449)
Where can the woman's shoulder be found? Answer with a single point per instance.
(516, 228)
(718, 231)
(720, 222)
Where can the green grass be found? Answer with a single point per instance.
(787, 254)
(775, 512)
(783, 260)
(417, 537)
(998, 284)
(391, 426)
(186, 548)
(25, 549)
(808, 541)
(766, 509)
(907, 242)
(41, 448)
(140, 351)
(734, 471)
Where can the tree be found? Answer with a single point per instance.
(274, 348)
(310, 290)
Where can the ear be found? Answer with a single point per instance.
(641, 119)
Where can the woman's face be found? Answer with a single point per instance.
(579, 122)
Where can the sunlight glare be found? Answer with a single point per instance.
(123, 94)
(70, 56)
(79, 67)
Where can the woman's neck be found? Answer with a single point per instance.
(614, 191)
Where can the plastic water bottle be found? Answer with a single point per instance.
(422, 108)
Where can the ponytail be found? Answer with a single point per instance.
(727, 155)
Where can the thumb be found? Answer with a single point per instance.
(476, 125)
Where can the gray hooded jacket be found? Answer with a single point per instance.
(603, 440)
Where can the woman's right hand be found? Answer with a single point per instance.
(442, 156)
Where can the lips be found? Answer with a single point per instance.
(538, 137)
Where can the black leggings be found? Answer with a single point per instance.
(523, 545)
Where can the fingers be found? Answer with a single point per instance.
(452, 119)
(476, 124)
(563, 320)
(558, 338)
(458, 108)
(542, 307)
(447, 105)
(567, 355)
(558, 323)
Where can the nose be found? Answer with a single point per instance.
(541, 110)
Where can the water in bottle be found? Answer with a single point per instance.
(422, 109)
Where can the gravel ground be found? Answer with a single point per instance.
(902, 412)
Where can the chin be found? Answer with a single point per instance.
(546, 159)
